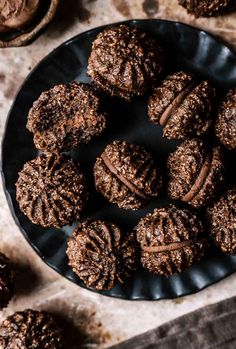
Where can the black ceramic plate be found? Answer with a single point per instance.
(187, 48)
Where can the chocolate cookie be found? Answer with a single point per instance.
(30, 329)
(126, 175)
(170, 240)
(226, 120)
(17, 14)
(206, 8)
(6, 281)
(125, 62)
(101, 255)
(221, 217)
(51, 190)
(182, 105)
(196, 172)
(66, 116)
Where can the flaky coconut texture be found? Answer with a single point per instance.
(66, 116)
(206, 8)
(170, 240)
(126, 175)
(30, 329)
(221, 219)
(125, 62)
(182, 105)
(101, 255)
(226, 120)
(51, 190)
(196, 172)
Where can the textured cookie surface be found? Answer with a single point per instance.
(125, 62)
(51, 190)
(126, 175)
(206, 8)
(195, 172)
(30, 329)
(170, 240)
(221, 218)
(101, 255)
(65, 117)
(182, 105)
(226, 120)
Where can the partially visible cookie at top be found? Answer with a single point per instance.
(18, 14)
(125, 62)
(127, 175)
(182, 105)
(226, 120)
(66, 116)
(221, 219)
(51, 190)
(206, 8)
(196, 172)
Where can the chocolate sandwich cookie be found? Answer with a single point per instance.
(101, 255)
(226, 120)
(125, 62)
(206, 8)
(182, 105)
(51, 190)
(126, 175)
(30, 329)
(221, 219)
(170, 240)
(66, 116)
(196, 172)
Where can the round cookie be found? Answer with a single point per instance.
(206, 8)
(182, 105)
(125, 62)
(66, 116)
(226, 121)
(6, 281)
(126, 175)
(51, 190)
(221, 217)
(170, 240)
(101, 255)
(18, 14)
(30, 329)
(195, 172)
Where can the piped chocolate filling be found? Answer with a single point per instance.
(124, 180)
(166, 248)
(192, 193)
(176, 103)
